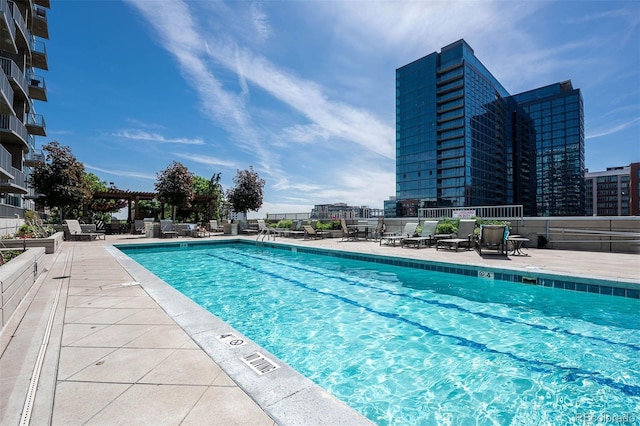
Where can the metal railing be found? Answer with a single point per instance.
(5, 87)
(5, 11)
(486, 212)
(12, 124)
(12, 70)
(5, 160)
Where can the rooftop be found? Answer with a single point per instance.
(111, 343)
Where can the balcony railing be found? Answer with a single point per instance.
(17, 185)
(36, 125)
(37, 87)
(22, 31)
(39, 54)
(15, 76)
(40, 25)
(34, 157)
(7, 29)
(5, 164)
(13, 131)
(6, 95)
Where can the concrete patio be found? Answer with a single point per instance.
(110, 344)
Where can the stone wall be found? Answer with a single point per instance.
(16, 278)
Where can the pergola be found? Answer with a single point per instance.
(134, 196)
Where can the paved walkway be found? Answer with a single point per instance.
(107, 353)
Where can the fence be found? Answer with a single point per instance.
(484, 212)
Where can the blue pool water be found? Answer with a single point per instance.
(408, 346)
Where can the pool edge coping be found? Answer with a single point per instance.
(287, 396)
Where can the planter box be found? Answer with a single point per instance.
(16, 278)
(50, 244)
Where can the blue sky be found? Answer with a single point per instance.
(304, 91)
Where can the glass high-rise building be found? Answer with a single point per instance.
(462, 140)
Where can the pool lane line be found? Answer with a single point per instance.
(505, 320)
(572, 373)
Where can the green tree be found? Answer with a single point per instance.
(246, 195)
(211, 188)
(175, 186)
(61, 180)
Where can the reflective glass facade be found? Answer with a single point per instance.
(462, 140)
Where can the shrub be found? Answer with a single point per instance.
(7, 255)
(448, 226)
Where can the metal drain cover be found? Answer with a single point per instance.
(260, 363)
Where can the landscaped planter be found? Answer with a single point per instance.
(17, 276)
(50, 244)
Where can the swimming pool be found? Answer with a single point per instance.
(407, 346)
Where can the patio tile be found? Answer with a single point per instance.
(77, 402)
(112, 335)
(75, 359)
(148, 316)
(231, 407)
(161, 336)
(74, 332)
(97, 315)
(136, 302)
(184, 367)
(153, 405)
(123, 366)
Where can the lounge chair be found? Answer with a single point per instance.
(408, 231)
(214, 228)
(264, 231)
(75, 231)
(167, 229)
(138, 226)
(493, 237)
(310, 232)
(425, 238)
(348, 234)
(463, 236)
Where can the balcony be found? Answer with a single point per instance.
(15, 77)
(5, 164)
(39, 24)
(39, 55)
(12, 131)
(37, 88)
(7, 29)
(6, 95)
(34, 158)
(36, 125)
(17, 185)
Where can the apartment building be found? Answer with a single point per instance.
(463, 140)
(23, 31)
(613, 192)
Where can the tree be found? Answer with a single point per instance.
(246, 195)
(212, 188)
(175, 186)
(61, 180)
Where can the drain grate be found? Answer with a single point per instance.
(527, 280)
(259, 363)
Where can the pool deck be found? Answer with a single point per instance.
(112, 344)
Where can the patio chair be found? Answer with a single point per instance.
(425, 238)
(75, 231)
(311, 232)
(348, 234)
(138, 226)
(214, 228)
(463, 236)
(166, 229)
(264, 231)
(493, 237)
(408, 231)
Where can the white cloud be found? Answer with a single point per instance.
(207, 160)
(121, 173)
(611, 130)
(154, 137)
(260, 21)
